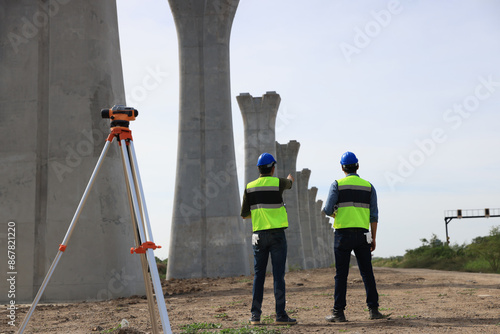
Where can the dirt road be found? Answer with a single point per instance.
(421, 301)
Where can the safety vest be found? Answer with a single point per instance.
(266, 204)
(353, 203)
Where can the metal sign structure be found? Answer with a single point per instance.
(469, 213)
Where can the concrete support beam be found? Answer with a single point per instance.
(328, 240)
(207, 238)
(305, 222)
(312, 192)
(286, 157)
(259, 122)
(60, 64)
(321, 237)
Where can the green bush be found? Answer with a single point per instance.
(478, 266)
(162, 267)
(487, 249)
(482, 255)
(391, 262)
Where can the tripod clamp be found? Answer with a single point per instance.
(121, 133)
(144, 247)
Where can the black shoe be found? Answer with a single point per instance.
(375, 314)
(336, 316)
(255, 320)
(286, 320)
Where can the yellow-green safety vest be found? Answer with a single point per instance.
(353, 203)
(266, 204)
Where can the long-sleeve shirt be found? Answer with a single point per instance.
(333, 197)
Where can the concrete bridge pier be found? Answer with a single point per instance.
(207, 237)
(286, 157)
(303, 193)
(59, 66)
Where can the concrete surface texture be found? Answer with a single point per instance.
(305, 222)
(259, 122)
(314, 215)
(207, 237)
(312, 192)
(286, 157)
(328, 234)
(56, 73)
(326, 241)
(322, 245)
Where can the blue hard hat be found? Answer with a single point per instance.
(265, 159)
(348, 158)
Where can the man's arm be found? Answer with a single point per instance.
(286, 183)
(373, 217)
(373, 206)
(245, 208)
(373, 228)
(333, 197)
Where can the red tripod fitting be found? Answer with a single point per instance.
(120, 133)
(142, 248)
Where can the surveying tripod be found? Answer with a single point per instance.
(120, 116)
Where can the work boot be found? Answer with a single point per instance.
(336, 316)
(255, 320)
(375, 314)
(286, 320)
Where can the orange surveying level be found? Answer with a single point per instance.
(120, 115)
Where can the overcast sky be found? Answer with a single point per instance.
(411, 87)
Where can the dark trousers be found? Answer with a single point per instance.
(345, 242)
(270, 242)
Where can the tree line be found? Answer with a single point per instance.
(481, 255)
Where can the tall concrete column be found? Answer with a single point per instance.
(59, 65)
(321, 233)
(305, 222)
(328, 240)
(286, 157)
(259, 122)
(312, 192)
(207, 237)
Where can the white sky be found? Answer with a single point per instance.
(411, 87)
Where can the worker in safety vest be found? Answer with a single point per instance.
(352, 201)
(263, 202)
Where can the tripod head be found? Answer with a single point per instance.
(120, 115)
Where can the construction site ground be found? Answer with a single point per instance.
(419, 301)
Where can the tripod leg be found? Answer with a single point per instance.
(144, 261)
(160, 300)
(62, 247)
(137, 177)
